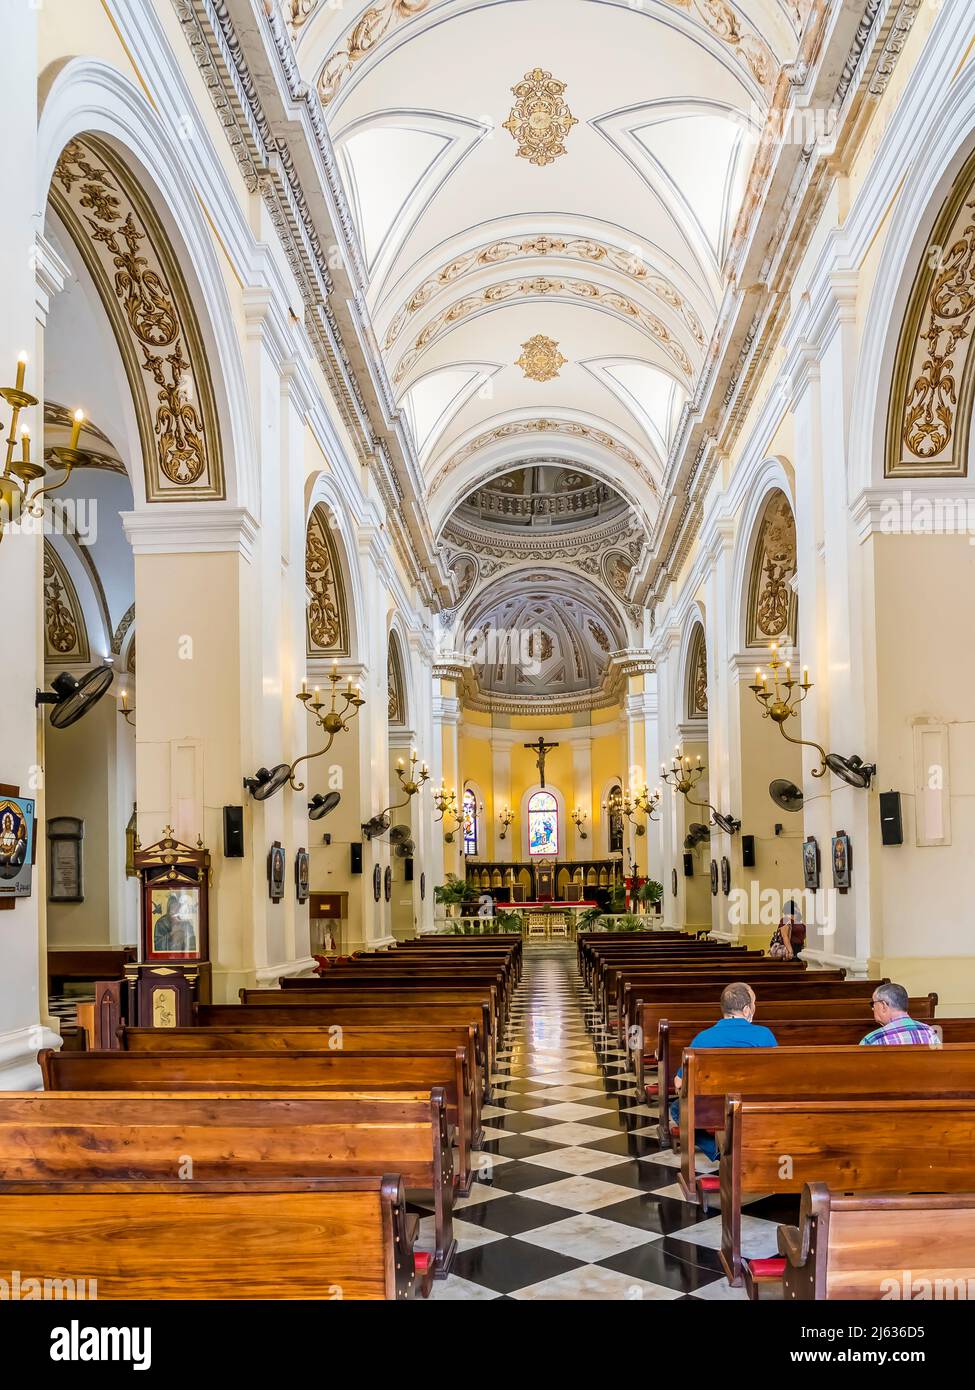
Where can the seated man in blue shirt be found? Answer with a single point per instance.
(734, 1029)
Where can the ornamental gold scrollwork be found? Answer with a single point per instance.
(540, 120)
(540, 358)
(699, 693)
(361, 39)
(772, 599)
(138, 279)
(326, 621)
(64, 627)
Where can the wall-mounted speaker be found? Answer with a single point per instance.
(355, 865)
(408, 870)
(748, 851)
(688, 865)
(891, 822)
(233, 832)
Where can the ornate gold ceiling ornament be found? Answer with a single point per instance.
(540, 119)
(771, 601)
(542, 286)
(64, 624)
(627, 262)
(135, 271)
(327, 628)
(933, 390)
(540, 358)
(749, 47)
(563, 428)
(396, 705)
(365, 35)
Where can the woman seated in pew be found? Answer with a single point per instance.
(789, 936)
(896, 1027)
(735, 1028)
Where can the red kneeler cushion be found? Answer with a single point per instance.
(771, 1268)
(710, 1183)
(652, 1089)
(422, 1260)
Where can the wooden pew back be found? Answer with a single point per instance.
(317, 1238)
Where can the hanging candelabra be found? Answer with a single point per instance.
(19, 474)
(446, 805)
(683, 775)
(411, 780)
(780, 694)
(506, 818)
(579, 818)
(125, 708)
(330, 718)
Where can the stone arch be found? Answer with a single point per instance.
(177, 299)
(399, 695)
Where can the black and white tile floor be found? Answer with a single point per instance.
(573, 1198)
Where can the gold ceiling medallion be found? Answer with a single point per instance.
(540, 359)
(540, 120)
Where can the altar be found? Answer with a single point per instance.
(550, 921)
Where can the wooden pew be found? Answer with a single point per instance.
(617, 979)
(644, 1020)
(603, 965)
(88, 964)
(492, 984)
(279, 1011)
(863, 1246)
(331, 1037)
(399, 1001)
(317, 1238)
(708, 994)
(83, 1136)
(892, 1145)
(675, 1036)
(277, 1071)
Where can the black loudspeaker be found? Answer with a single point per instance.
(233, 832)
(748, 851)
(355, 865)
(891, 823)
(408, 870)
(688, 865)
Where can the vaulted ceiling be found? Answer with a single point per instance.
(544, 193)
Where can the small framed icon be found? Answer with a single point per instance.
(673, 882)
(714, 878)
(388, 883)
(725, 875)
(810, 862)
(275, 872)
(842, 862)
(377, 883)
(302, 874)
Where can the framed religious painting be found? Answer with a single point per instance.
(842, 865)
(714, 878)
(302, 876)
(377, 883)
(275, 872)
(423, 886)
(16, 845)
(725, 875)
(673, 882)
(388, 883)
(175, 882)
(810, 862)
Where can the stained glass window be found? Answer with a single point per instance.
(469, 812)
(543, 824)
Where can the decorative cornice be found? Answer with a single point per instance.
(172, 529)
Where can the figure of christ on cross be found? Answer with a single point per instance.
(542, 749)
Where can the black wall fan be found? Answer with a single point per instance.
(786, 795)
(71, 698)
(267, 781)
(320, 805)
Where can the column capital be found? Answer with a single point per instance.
(180, 528)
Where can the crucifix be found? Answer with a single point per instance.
(542, 749)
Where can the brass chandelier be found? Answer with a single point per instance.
(19, 474)
(683, 776)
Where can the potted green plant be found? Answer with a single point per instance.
(451, 894)
(628, 922)
(507, 921)
(587, 920)
(649, 893)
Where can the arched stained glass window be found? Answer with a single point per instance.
(469, 812)
(543, 824)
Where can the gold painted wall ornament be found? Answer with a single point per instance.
(540, 358)
(326, 620)
(136, 273)
(396, 704)
(772, 602)
(627, 262)
(364, 36)
(64, 624)
(934, 379)
(540, 120)
(698, 701)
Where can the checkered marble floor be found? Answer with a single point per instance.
(573, 1198)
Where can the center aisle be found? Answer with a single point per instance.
(573, 1198)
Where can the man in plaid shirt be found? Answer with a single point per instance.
(897, 1028)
